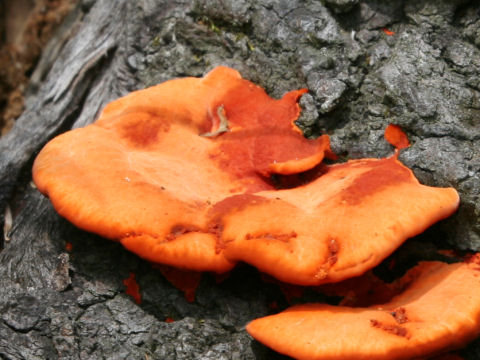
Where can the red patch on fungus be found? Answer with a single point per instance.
(132, 288)
(234, 204)
(384, 173)
(396, 137)
(68, 246)
(141, 129)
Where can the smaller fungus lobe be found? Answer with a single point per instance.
(396, 137)
(441, 301)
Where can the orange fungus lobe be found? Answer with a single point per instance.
(395, 136)
(437, 311)
(132, 288)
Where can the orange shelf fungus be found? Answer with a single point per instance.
(437, 312)
(180, 174)
(146, 174)
(338, 226)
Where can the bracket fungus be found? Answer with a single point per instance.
(180, 174)
(438, 311)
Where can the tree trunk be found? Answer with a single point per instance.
(366, 64)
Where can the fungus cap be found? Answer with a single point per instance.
(440, 310)
(343, 223)
(149, 169)
(179, 173)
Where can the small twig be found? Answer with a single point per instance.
(7, 225)
(223, 127)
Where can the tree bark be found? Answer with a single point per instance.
(366, 64)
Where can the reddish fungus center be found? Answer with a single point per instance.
(258, 132)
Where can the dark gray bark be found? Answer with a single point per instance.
(425, 78)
